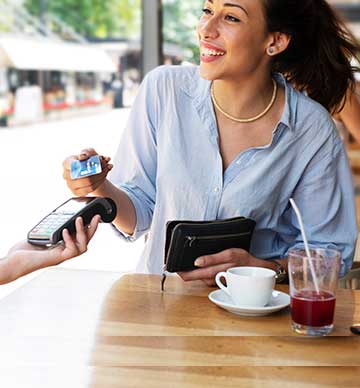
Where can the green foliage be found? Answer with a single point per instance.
(179, 25)
(122, 19)
(95, 18)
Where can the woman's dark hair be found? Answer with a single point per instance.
(318, 57)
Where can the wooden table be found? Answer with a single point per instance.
(73, 328)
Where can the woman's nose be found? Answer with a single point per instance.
(208, 29)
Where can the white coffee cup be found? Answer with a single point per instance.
(248, 286)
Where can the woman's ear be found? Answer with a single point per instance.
(278, 43)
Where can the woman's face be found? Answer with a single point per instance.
(233, 39)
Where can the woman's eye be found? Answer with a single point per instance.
(207, 11)
(232, 19)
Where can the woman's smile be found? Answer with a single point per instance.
(210, 53)
(233, 39)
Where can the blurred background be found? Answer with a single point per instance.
(87, 54)
(69, 72)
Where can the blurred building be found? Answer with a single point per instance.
(128, 56)
(47, 70)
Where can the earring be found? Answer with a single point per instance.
(270, 50)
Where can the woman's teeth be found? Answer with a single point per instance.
(208, 52)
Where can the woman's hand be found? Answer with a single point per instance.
(24, 258)
(86, 185)
(210, 265)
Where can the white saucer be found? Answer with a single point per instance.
(278, 301)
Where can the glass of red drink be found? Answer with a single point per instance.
(313, 302)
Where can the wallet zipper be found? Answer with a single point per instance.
(192, 239)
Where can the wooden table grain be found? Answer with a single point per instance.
(79, 329)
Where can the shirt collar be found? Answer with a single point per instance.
(290, 96)
(199, 89)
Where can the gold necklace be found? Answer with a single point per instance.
(251, 119)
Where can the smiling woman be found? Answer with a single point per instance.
(243, 137)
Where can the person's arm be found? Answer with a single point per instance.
(350, 114)
(24, 258)
(132, 184)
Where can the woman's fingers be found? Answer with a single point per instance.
(206, 273)
(86, 153)
(67, 162)
(210, 265)
(86, 185)
(209, 282)
(229, 255)
(85, 181)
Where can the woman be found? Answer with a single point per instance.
(24, 258)
(233, 137)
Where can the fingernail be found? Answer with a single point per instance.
(199, 262)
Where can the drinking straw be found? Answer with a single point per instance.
(307, 250)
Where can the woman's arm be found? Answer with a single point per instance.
(132, 184)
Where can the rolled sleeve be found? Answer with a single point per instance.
(135, 162)
(143, 215)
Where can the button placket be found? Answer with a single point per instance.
(238, 165)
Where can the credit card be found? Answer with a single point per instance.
(84, 168)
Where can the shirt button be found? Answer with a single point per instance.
(216, 190)
(238, 162)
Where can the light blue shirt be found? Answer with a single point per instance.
(169, 164)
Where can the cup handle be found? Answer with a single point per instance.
(218, 282)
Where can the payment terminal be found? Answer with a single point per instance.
(49, 230)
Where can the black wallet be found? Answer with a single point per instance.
(187, 240)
